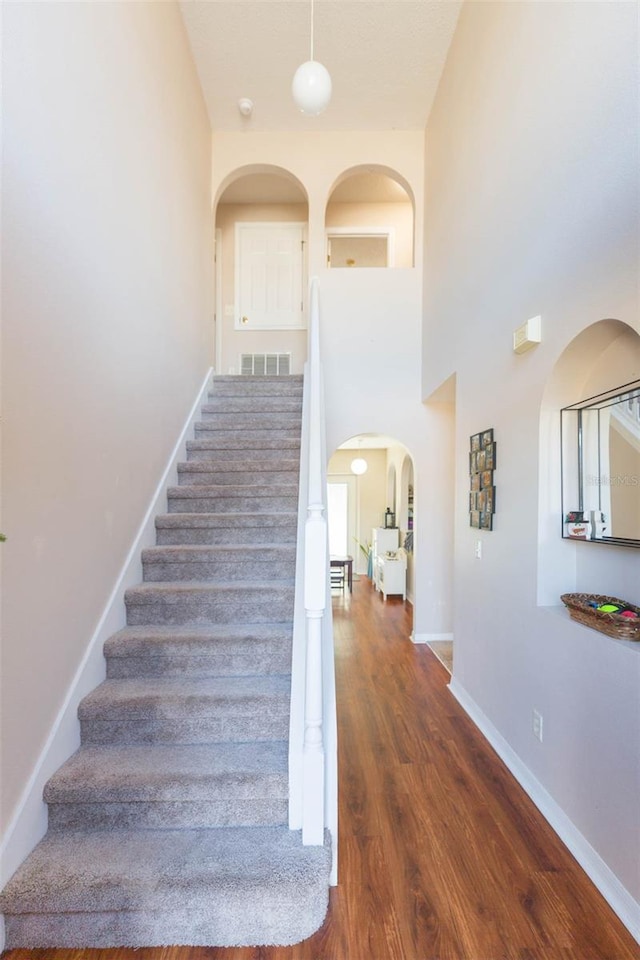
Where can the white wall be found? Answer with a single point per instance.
(107, 321)
(531, 207)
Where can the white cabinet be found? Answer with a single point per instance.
(389, 572)
(392, 575)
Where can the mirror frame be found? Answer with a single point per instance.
(572, 460)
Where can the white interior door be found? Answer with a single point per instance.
(269, 276)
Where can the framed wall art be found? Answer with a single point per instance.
(482, 491)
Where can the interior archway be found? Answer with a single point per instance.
(256, 183)
(261, 212)
(368, 495)
(370, 219)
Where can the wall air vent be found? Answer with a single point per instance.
(265, 364)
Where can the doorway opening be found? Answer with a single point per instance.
(371, 513)
(261, 222)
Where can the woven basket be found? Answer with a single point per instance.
(613, 624)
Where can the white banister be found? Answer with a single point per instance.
(313, 737)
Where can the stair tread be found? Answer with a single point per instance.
(190, 552)
(226, 520)
(153, 590)
(164, 772)
(239, 466)
(241, 490)
(244, 463)
(290, 428)
(210, 443)
(129, 639)
(127, 870)
(260, 403)
(162, 697)
(218, 650)
(272, 419)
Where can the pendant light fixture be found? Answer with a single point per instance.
(311, 86)
(359, 465)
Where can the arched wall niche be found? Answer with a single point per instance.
(604, 355)
(370, 219)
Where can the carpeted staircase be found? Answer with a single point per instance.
(169, 825)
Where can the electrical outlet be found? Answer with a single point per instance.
(537, 725)
(478, 549)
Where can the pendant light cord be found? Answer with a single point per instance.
(311, 57)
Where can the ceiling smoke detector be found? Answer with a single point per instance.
(245, 106)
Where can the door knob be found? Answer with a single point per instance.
(245, 320)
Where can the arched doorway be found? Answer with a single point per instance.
(261, 220)
(359, 496)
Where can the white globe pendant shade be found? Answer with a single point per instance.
(359, 466)
(311, 88)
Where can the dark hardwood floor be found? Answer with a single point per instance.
(442, 855)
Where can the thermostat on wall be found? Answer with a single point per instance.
(528, 335)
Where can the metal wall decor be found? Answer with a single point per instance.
(482, 493)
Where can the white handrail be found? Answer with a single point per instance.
(313, 739)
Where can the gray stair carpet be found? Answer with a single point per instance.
(169, 825)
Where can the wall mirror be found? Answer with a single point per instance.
(601, 467)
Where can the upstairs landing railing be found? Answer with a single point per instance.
(313, 787)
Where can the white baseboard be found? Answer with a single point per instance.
(29, 823)
(430, 637)
(616, 895)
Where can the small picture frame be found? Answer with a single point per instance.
(489, 499)
(486, 478)
(474, 519)
(475, 442)
(486, 438)
(490, 457)
(486, 520)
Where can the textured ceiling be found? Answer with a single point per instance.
(385, 58)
